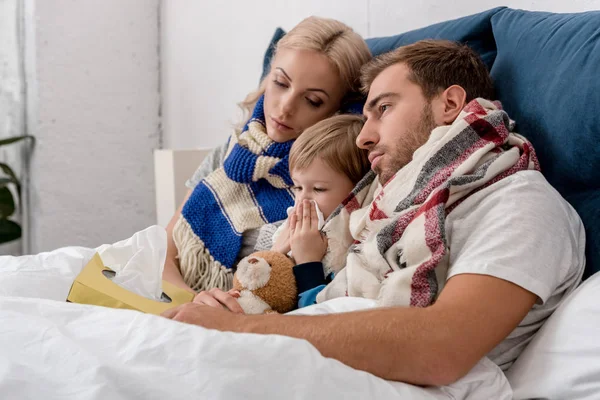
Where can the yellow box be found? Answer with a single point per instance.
(92, 286)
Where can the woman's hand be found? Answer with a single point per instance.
(307, 242)
(282, 244)
(220, 299)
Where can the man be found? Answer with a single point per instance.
(514, 248)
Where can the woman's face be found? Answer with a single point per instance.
(302, 89)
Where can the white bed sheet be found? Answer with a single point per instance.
(56, 350)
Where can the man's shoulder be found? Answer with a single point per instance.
(523, 203)
(519, 229)
(522, 182)
(524, 191)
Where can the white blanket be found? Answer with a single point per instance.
(55, 350)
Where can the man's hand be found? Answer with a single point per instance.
(220, 299)
(306, 241)
(207, 317)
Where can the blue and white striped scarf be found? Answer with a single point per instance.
(248, 191)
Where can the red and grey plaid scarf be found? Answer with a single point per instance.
(400, 253)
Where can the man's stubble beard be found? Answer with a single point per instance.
(406, 146)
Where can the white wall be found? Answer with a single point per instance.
(11, 82)
(12, 104)
(93, 104)
(212, 57)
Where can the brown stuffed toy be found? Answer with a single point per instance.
(266, 283)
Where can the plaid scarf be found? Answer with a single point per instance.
(248, 191)
(400, 253)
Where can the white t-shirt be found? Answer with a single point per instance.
(521, 230)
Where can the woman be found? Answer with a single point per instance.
(314, 70)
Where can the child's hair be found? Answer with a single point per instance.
(333, 140)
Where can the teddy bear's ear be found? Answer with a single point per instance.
(253, 272)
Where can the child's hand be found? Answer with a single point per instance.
(282, 244)
(306, 241)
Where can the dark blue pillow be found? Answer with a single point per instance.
(474, 30)
(587, 205)
(547, 75)
(279, 33)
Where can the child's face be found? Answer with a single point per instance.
(321, 183)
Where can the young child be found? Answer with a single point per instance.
(325, 165)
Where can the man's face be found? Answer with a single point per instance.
(399, 121)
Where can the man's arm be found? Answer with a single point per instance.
(425, 346)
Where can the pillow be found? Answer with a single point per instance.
(561, 362)
(587, 205)
(279, 33)
(547, 77)
(474, 30)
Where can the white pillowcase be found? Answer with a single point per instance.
(563, 359)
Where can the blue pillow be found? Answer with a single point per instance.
(474, 30)
(587, 205)
(279, 33)
(547, 75)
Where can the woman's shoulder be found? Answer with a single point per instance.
(210, 163)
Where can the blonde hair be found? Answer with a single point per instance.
(332, 140)
(346, 50)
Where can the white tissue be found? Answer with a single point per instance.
(138, 261)
(319, 214)
(286, 223)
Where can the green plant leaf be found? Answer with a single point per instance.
(7, 203)
(8, 171)
(15, 139)
(9, 231)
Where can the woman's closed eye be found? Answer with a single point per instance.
(314, 103)
(280, 84)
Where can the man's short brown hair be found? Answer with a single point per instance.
(435, 65)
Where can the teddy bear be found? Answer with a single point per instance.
(266, 283)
